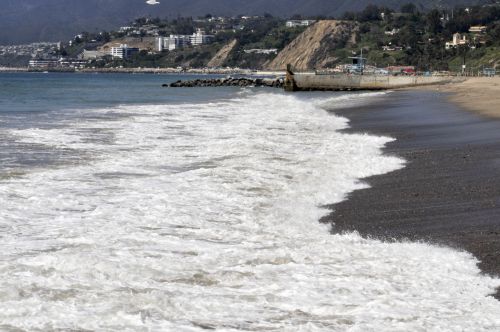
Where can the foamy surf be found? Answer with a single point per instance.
(197, 216)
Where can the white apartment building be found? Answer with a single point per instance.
(174, 42)
(200, 38)
(59, 63)
(40, 63)
(299, 23)
(123, 51)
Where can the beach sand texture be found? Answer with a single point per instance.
(449, 192)
(479, 94)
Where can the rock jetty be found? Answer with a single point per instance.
(229, 81)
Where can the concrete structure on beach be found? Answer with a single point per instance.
(338, 82)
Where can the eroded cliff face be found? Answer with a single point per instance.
(221, 57)
(313, 49)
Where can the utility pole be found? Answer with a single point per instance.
(362, 62)
(464, 66)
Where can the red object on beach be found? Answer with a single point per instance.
(406, 70)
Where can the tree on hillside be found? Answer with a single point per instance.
(370, 13)
(183, 26)
(349, 16)
(433, 20)
(409, 8)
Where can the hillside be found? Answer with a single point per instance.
(222, 55)
(146, 43)
(54, 20)
(313, 48)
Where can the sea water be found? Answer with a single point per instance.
(125, 206)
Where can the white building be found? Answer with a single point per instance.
(458, 39)
(391, 32)
(262, 51)
(123, 51)
(92, 55)
(172, 43)
(391, 48)
(478, 29)
(299, 23)
(125, 29)
(41, 63)
(200, 38)
(59, 63)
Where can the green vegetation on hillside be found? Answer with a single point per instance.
(259, 32)
(419, 38)
(387, 37)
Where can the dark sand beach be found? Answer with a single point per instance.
(449, 191)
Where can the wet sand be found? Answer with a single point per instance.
(449, 191)
(477, 94)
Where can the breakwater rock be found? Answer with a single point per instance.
(229, 81)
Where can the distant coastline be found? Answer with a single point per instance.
(13, 69)
(195, 71)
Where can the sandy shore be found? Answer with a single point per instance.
(478, 94)
(449, 192)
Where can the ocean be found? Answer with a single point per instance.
(125, 206)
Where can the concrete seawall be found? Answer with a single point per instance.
(312, 81)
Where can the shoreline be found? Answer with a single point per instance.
(475, 94)
(202, 71)
(449, 191)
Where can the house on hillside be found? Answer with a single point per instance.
(479, 29)
(391, 48)
(458, 40)
(299, 23)
(391, 32)
(262, 51)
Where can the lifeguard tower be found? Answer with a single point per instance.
(358, 64)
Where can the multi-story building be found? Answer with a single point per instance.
(299, 23)
(43, 63)
(172, 42)
(123, 51)
(57, 63)
(200, 38)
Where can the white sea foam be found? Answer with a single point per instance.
(200, 216)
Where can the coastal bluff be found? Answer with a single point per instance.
(313, 48)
